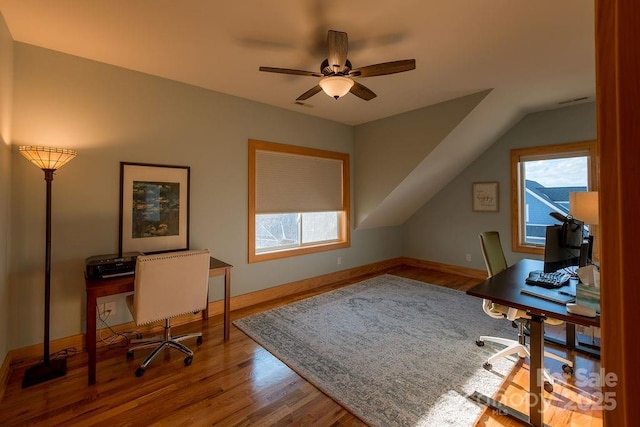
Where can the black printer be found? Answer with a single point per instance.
(112, 265)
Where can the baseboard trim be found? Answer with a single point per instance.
(446, 268)
(31, 354)
(257, 297)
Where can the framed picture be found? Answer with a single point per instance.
(154, 208)
(485, 197)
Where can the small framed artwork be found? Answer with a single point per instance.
(485, 196)
(154, 208)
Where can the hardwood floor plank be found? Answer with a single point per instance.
(238, 383)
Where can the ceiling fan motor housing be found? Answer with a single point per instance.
(327, 70)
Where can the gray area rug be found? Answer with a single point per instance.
(393, 351)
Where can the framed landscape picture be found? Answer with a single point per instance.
(154, 208)
(485, 197)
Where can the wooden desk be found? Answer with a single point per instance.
(504, 288)
(101, 288)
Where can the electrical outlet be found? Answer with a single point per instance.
(110, 308)
(468, 257)
(339, 260)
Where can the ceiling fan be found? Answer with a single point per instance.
(337, 73)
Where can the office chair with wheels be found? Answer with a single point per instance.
(168, 285)
(496, 262)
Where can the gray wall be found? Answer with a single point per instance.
(6, 85)
(446, 229)
(109, 115)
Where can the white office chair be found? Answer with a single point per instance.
(496, 262)
(168, 285)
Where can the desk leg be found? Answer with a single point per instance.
(227, 303)
(536, 378)
(205, 312)
(90, 336)
(570, 335)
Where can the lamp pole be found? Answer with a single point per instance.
(48, 177)
(48, 159)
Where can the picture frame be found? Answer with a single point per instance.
(485, 196)
(154, 208)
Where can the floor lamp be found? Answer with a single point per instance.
(48, 159)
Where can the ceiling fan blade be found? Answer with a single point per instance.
(308, 94)
(337, 47)
(290, 71)
(361, 91)
(384, 68)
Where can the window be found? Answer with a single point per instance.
(542, 178)
(298, 200)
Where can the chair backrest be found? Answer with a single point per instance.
(170, 284)
(492, 252)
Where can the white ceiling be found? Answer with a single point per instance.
(534, 54)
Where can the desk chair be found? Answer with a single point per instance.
(168, 285)
(496, 262)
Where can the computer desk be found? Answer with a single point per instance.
(504, 288)
(97, 288)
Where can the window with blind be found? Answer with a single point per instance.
(298, 200)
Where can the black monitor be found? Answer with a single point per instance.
(563, 245)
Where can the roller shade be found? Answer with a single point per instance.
(297, 183)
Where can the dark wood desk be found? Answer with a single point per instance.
(504, 288)
(113, 286)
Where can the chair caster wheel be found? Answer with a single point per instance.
(479, 343)
(567, 369)
(548, 387)
(199, 340)
(129, 355)
(188, 360)
(487, 365)
(140, 372)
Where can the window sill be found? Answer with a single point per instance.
(287, 253)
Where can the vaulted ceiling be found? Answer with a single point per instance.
(519, 56)
(541, 52)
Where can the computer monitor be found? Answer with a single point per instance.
(563, 245)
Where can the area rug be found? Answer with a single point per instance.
(393, 351)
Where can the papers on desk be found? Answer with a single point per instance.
(553, 295)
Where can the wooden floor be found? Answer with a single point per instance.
(239, 383)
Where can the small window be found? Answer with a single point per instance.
(542, 178)
(298, 200)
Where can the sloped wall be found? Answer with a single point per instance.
(389, 150)
(446, 229)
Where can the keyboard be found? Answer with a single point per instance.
(553, 280)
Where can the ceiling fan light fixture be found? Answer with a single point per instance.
(336, 86)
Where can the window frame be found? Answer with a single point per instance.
(344, 238)
(581, 148)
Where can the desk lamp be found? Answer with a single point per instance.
(583, 205)
(48, 159)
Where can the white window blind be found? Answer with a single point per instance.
(288, 182)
